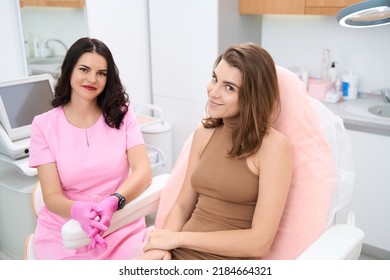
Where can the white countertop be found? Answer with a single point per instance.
(362, 122)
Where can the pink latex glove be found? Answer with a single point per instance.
(85, 213)
(109, 205)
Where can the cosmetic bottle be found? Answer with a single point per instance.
(37, 47)
(325, 65)
(333, 72)
(350, 85)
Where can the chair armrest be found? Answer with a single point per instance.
(146, 203)
(37, 198)
(339, 242)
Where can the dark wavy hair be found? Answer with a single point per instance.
(258, 97)
(113, 101)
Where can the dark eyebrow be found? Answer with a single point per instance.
(82, 65)
(102, 70)
(226, 82)
(232, 84)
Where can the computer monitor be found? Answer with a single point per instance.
(21, 100)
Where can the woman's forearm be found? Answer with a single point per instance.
(58, 204)
(135, 184)
(232, 243)
(175, 219)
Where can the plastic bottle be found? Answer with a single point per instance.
(338, 87)
(350, 85)
(37, 47)
(46, 51)
(333, 72)
(325, 65)
(336, 94)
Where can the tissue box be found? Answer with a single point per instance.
(319, 88)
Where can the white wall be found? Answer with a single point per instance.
(236, 28)
(186, 38)
(123, 26)
(299, 41)
(184, 43)
(13, 62)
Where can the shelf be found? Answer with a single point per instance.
(53, 3)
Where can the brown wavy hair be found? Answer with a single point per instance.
(113, 101)
(258, 97)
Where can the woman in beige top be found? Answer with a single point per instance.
(239, 169)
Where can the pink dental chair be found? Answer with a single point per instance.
(322, 184)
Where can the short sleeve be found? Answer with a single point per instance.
(133, 131)
(40, 152)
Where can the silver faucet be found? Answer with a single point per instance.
(45, 44)
(385, 94)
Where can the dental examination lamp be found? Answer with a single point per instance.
(365, 14)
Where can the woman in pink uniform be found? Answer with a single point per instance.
(90, 156)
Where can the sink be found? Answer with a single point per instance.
(57, 60)
(367, 107)
(51, 65)
(380, 110)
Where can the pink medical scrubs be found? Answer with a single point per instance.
(92, 163)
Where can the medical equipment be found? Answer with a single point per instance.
(157, 134)
(20, 101)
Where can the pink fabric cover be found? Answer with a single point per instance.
(171, 190)
(306, 213)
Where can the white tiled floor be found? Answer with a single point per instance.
(3, 256)
(366, 257)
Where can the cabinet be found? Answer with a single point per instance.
(326, 7)
(53, 3)
(272, 7)
(17, 218)
(296, 7)
(371, 193)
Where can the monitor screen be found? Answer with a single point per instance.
(21, 100)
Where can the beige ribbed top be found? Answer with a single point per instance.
(227, 193)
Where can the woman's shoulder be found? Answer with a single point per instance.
(129, 116)
(203, 134)
(274, 133)
(48, 115)
(202, 137)
(275, 139)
